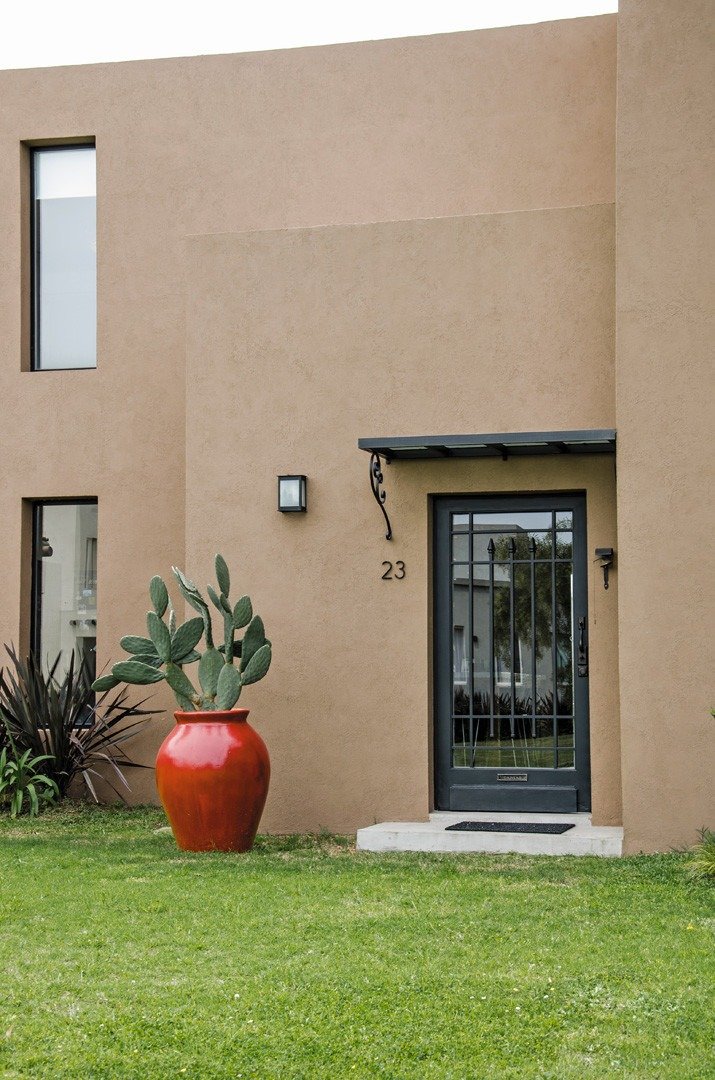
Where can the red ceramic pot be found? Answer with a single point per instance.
(212, 772)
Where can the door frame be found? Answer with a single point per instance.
(460, 788)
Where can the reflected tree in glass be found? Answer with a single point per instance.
(521, 548)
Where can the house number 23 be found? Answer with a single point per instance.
(393, 571)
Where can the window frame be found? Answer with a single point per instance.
(36, 577)
(34, 149)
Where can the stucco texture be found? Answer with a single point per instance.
(465, 124)
(664, 412)
(296, 249)
(303, 341)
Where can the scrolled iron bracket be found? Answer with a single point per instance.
(376, 482)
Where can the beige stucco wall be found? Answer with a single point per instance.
(475, 123)
(466, 283)
(462, 123)
(302, 342)
(664, 412)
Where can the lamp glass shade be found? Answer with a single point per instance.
(291, 494)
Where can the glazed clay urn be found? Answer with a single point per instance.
(212, 772)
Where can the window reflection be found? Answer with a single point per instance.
(65, 585)
(512, 645)
(65, 258)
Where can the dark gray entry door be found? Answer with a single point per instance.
(511, 654)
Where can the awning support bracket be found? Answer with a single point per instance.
(376, 482)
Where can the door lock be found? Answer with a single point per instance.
(582, 659)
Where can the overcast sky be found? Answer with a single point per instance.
(49, 32)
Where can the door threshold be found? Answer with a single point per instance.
(432, 836)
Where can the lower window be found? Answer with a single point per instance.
(64, 584)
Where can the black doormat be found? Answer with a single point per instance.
(510, 826)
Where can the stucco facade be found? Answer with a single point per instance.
(298, 249)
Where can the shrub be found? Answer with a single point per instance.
(58, 719)
(701, 863)
(21, 782)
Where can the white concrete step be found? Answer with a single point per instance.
(583, 839)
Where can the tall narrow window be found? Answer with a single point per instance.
(64, 280)
(64, 583)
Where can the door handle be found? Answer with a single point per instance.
(582, 659)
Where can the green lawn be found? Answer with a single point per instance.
(123, 958)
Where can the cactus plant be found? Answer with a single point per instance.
(222, 670)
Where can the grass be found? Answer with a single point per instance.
(124, 958)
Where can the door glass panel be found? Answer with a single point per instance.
(503, 644)
(461, 656)
(543, 639)
(564, 545)
(512, 644)
(460, 547)
(460, 670)
(523, 674)
(542, 544)
(564, 730)
(462, 753)
(564, 642)
(514, 756)
(480, 641)
(482, 537)
(515, 521)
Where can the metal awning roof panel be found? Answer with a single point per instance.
(503, 445)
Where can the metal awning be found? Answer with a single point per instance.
(505, 446)
(512, 444)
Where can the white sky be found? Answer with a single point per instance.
(40, 33)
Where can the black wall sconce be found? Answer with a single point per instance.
(292, 494)
(605, 557)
